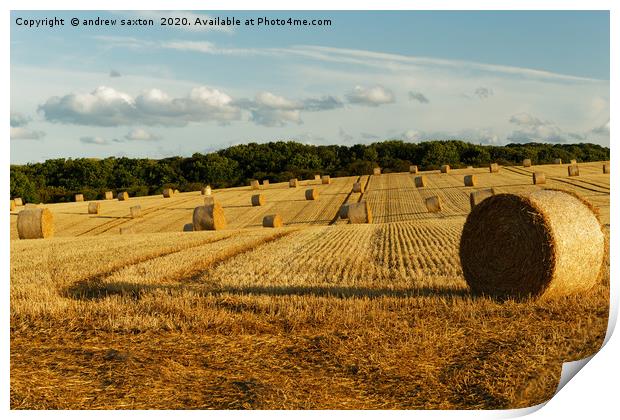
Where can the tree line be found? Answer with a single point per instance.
(58, 180)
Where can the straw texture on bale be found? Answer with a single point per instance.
(494, 168)
(445, 169)
(606, 168)
(258, 200)
(527, 163)
(413, 169)
(188, 227)
(317, 177)
(539, 178)
(433, 204)
(265, 182)
(135, 211)
(209, 200)
(254, 184)
(557, 161)
(79, 197)
(573, 161)
(343, 213)
(168, 192)
(93, 208)
(206, 190)
(376, 171)
(326, 179)
(109, 195)
(209, 217)
(523, 247)
(35, 223)
(125, 230)
(358, 187)
(477, 196)
(312, 194)
(359, 212)
(122, 196)
(470, 180)
(13, 205)
(272, 220)
(293, 183)
(18, 201)
(573, 170)
(420, 181)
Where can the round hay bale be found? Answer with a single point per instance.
(527, 163)
(420, 181)
(413, 169)
(477, 196)
(359, 212)
(123, 196)
(433, 204)
(343, 213)
(358, 187)
(573, 170)
(258, 200)
(293, 183)
(606, 168)
(35, 223)
(13, 205)
(470, 180)
(312, 194)
(188, 227)
(445, 169)
(265, 182)
(109, 195)
(326, 179)
(524, 246)
(125, 230)
(557, 161)
(254, 184)
(317, 177)
(209, 217)
(93, 207)
(79, 198)
(18, 201)
(573, 161)
(272, 220)
(539, 178)
(494, 168)
(376, 171)
(176, 191)
(206, 190)
(135, 212)
(168, 192)
(470, 167)
(209, 200)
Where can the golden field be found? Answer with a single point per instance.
(317, 314)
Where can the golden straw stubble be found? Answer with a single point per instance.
(35, 223)
(524, 247)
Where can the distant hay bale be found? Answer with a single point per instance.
(258, 200)
(93, 207)
(254, 184)
(206, 190)
(413, 169)
(317, 177)
(123, 196)
(359, 212)
(376, 171)
(539, 178)
(35, 223)
(343, 213)
(573, 170)
(523, 247)
(109, 195)
(293, 183)
(312, 194)
(79, 197)
(477, 196)
(606, 168)
(135, 211)
(125, 231)
(527, 163)
(557, 161)
(176, 191)
(209, 217)
(470, 180)
(420, 181)
(326, 179)
(18, 201)
(272, 221)
(494, 168)
(358, 187)
(470, 167)
(445, 169)
(433, 204)
(13, 205)
(573, 161)
(209, 200)
(188, 227)
(265, 182)
(168, 192)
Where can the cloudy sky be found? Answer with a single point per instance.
(484, 77)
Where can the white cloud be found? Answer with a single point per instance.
(141, 134)
(18, 119)
(269, 100)
(533, 129)
(23, 133)
(100, 141)
(370, 96)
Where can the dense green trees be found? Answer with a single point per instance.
(59, 179)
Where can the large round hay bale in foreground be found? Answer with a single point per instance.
(359, 212)
(376, 171)
(358, 187)
(477, 196)
(470, 180)
(123, 196)
(413, 169)
(254, 184)
(109, 195)
(93, 208)
(168, 192)
(433, 204)
(272, 220)
(206, 190)
(326, 179)
(312, 194)
(35, 223)
(539, 178)
(293, 183)
(79, 198)
(420, 181)
(18, 201)
(494, 168)
(573, 170)
(523, 247)
(557, 161)
(445, 169)
(527, 163)
(606, 168)
(209, 217)
(135, 212)
(258, 200)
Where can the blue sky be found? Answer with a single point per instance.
(485, 77)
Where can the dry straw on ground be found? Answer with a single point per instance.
(122, 196)
(359, 212)
(606, 168)
(209, 217)
(18, 201)
(539, 178)
(358, 187)
(293, 183)
(527, 163)
(557, 161)
(94, 207)
(376, 171)
(312, 194)
(258, 200)
(109, 195)
(420, 181)
(254, 184)
(433, 204)
(326, 179)
(494, 168)
(470, 180)
(530, 248)
(206, 190)
(125, 231)
(35, 223)
(413, 169)
(573, 170)
(79, 197)
(135, 211)
(477, 196)
(272, 220)
(445, 169)
(168, 192)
